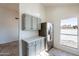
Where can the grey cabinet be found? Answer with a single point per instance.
(39, 23)
(42, 44)
(26, 22)
(28, 49)
(33, 48)
(24, 48)
(34, 23)
(38, 47)
(30, 22)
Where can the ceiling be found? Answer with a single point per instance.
(10, 6)
(60, 4)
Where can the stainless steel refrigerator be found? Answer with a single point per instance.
(47, 31)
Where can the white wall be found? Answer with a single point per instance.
(34, 9)
(8, 25)
(54, 15)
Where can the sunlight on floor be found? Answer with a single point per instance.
(44, 53)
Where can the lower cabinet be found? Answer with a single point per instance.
(42, 44)
(38, 47)
(33, 48)
(28, 49)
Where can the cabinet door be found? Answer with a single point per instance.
(39, 23)
(42, 40)
(38, 47)
(32, 49)
(34, 23)
(27, 22)
(24, 51)
(23, 21)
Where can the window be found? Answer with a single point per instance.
(68, 32)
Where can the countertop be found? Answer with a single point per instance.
(31, 39)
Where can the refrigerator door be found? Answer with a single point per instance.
(49, 39)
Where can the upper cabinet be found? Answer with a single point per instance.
(30, 22)
(26, 22)
(39, 23)
(34, 23)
